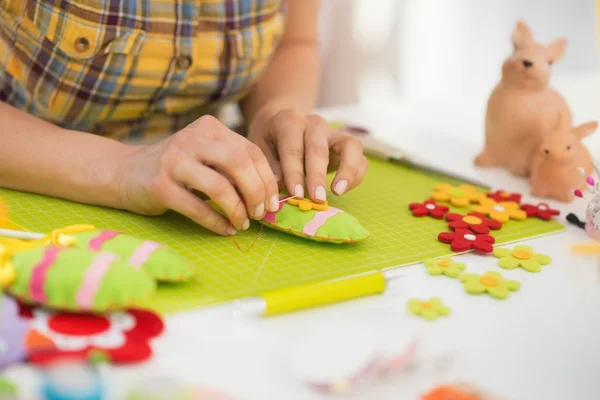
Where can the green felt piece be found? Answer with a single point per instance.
(343, 226)
(430, 309)
(7, 388)
(511, 259)
(491, 282)
(164, 264)
(444, 266)
(277, 260)
(121, 286)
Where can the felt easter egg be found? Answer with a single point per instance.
(13, 329)
(158, 261)
(318, 222)
(69, 278)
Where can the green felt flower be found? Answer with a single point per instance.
(430, 309)
(521, 256)
(444, 266)
(490, 282)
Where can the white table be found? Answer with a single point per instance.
(542, 343)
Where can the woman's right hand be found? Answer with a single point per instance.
(205, 157)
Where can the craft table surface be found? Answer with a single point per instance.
(541, 343)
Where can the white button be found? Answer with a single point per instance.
(470, 238)
(543, 207)
(498, 208)
(430, 207)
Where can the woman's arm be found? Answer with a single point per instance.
(301, 148)
(36, 156)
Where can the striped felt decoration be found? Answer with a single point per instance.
(69, 278)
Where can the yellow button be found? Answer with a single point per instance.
(183, 62)
(82, 44)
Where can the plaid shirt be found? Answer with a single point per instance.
(127, 68)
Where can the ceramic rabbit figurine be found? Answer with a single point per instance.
(522, 108)
(556, 164)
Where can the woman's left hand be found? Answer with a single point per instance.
(303, 149)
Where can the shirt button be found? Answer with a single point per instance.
(82, 44)
(183, 62)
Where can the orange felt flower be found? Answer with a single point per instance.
(502, 211)
(307, 205)
(460, 196)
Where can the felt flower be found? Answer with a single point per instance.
(122, 337)
(459, 196)
(430, 309)
(307, 205)
(446, 392)
(541, 211)
(464, 240)
(490, 282)
(501, 212)
(501, 195)
(445, 266)
(476, 222)
(521, 256)
(428, 207)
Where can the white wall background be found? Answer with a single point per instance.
(432, 49)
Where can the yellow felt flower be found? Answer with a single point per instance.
(502, 211)
(307, 205)
(490, 282)
(444, 266)
(430, 309)
(460, 196)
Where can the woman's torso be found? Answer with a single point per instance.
(131, 67)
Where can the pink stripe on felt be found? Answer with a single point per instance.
(104, 236)
(142, 252)
(319, 219)
(39, 273)
(92, 279)
(270, 216)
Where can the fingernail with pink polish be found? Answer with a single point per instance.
(320, 193)
(340, 187)
(274, 204)
(299, 191)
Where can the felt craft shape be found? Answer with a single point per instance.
(473, 221)
(464, 240)
(428, 208)
(444, 266)
(431, 309)
(69, 278)
(541, 211)
(331, 225)
(158, 261)
(521, 256)
(121, 337)
(491, 282)
(13, 329)
(460, 196)
(501, 195)
(501, 212)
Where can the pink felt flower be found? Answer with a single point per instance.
(501, 195)
(428, 207)
(541, 211)
(476, 222)
(464, 240)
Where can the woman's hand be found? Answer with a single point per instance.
(208, 158)
(298, 146)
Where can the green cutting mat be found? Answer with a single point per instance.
(278, 259)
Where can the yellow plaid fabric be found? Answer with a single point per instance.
(132, 68)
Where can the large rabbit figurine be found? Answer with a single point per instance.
(556, 165)
(522, 108)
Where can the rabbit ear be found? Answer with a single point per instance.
(521, 36)
(556, 49)
(586, 129)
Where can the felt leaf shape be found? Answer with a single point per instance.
(331, 225)
(159, 262)
(69, 278)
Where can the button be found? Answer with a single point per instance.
(183, 62)
(82, 44)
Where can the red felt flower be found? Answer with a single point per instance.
(542, 211)
(428, 207)
(501, 195)
(476, 222)
(123, 337)
(464, 240)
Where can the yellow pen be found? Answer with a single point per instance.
(309, 296)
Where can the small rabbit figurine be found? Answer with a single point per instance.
(522, 108)
(556, 166)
